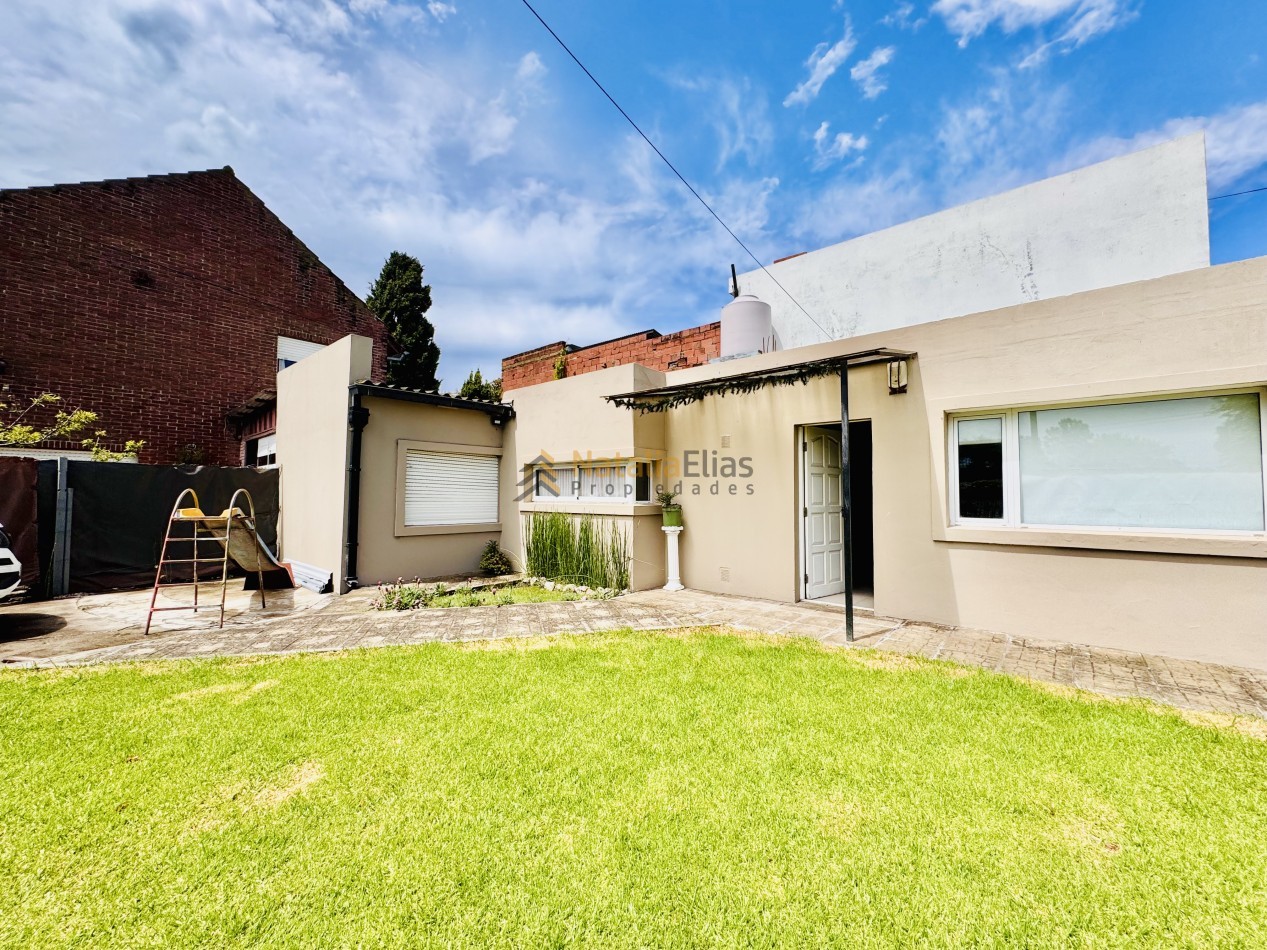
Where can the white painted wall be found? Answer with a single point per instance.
(1131, 218)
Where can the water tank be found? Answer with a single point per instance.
(746, 327)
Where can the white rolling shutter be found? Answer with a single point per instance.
(291, 351)
(443, 488)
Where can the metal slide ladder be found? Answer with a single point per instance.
(206, 530)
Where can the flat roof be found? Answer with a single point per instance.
(498, 410)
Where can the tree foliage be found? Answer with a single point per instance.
(19, 428)
(476, 388)
(401, 300)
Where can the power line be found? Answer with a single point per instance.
(672, 168)
(1237, 194)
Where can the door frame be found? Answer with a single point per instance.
(802, 535)
(802, 438)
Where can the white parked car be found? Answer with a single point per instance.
(10, 567)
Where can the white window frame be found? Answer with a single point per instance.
(1011, 519)
(1011, 468)
(567, 487)
(259, 441)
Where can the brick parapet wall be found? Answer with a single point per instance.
(157, 302)
(691, 347)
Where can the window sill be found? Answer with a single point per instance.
(406, 531)
(636, 509)
(1207, 544)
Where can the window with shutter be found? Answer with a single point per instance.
(290, 351)
(443, 488)
(624, 482)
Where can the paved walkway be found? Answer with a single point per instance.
(347, 623)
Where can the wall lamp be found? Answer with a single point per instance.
(897, 377)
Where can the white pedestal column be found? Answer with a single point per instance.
(671, 559)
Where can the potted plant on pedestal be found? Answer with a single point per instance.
(669, 509)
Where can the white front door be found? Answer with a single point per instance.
(823, 531)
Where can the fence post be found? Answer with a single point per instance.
(61, 530)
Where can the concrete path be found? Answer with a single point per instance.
(348, 623)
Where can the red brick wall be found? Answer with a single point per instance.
(679, 350)
(157, 302)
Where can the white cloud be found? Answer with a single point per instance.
(1235, 141)
(530, 68)
(850, 207)
(822, 64)
(488, 128)
(829, 149)
(903, 17)
(1000, 136)
(866, 73)
(738, 112)
(440, 10)
(1076, 21)
(216, 130)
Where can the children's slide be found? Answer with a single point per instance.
(236, 533)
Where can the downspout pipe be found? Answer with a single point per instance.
(358, 418)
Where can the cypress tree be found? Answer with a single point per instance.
(401, 300)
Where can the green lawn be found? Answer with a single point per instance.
(624, 789)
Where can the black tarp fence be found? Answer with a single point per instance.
(18, 503)
(119, 514)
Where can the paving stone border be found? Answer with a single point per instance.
(1187, 684)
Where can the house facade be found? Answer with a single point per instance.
(1087, 469)
(165, 304)
(1086, 466)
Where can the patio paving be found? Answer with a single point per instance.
(318, 624)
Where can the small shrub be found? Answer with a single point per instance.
(403, 596)
(495, 562)
(416, 595)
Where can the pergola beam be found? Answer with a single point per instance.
(683, 394)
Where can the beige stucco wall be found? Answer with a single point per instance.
(312, 451)
(568, 418)
(1200, 596)
(384, 553)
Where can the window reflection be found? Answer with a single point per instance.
(980, 448)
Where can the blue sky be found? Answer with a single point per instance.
(457, 131)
